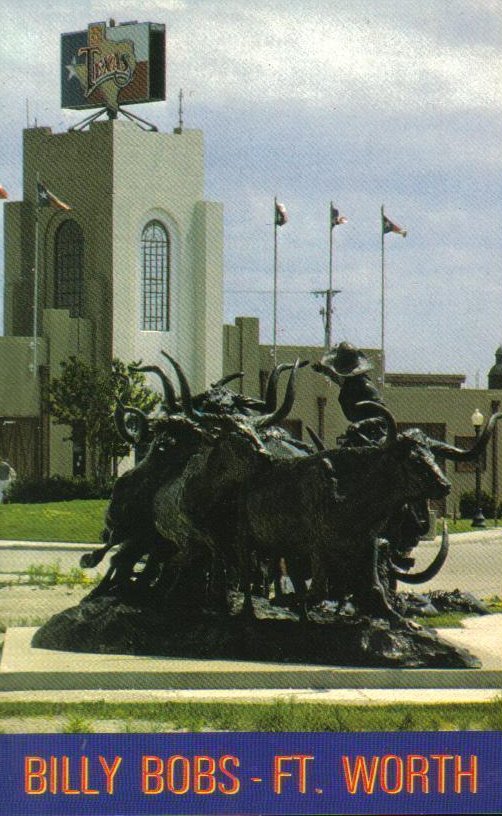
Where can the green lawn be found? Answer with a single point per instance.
(82, 520)
(79, 520)
(276, 716)
(464, 525)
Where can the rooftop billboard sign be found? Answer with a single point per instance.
(109, 66)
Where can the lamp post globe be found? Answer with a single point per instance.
(478, 519)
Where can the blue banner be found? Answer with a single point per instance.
(251, 773)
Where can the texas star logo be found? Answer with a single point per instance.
(108, 65)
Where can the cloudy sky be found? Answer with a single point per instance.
(358, 102)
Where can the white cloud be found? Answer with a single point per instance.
(310, 100)
(235, 54)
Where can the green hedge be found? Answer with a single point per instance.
(54, 489)
(468, 507)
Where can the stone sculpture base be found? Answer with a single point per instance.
(107, 625)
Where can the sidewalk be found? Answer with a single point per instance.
(489, 534)
(55, 675)
(7, 544)
(35, 674)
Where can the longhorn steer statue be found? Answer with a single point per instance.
(223, 487)
(222, 481)
(228, 428)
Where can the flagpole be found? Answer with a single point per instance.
(35, 289)
(329, 295)
(275, 285)
(383, 296)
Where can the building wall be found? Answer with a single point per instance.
(77, 167)
(19, 392)
(453, 407)
(20, 427)
(161, 176)
(18, 268)
(116, 177)
(316, 402)
(76, 336)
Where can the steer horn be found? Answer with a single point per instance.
(127, 435)
(186, 396)
(461, 455)
(271, 392)
(432, 570)
(380, 410)
(316, 439)
(169, 392)
(227, 379)
(284, 409)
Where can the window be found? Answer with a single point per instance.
(155, 257)
(69, 269)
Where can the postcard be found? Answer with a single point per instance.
(250, 392)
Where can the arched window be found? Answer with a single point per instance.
(155, 261)
(69, 268)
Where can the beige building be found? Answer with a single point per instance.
(436, 403)
(136, 266)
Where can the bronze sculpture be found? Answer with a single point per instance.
(223, 487)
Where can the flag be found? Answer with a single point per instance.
(336, 218)
(389, 226)
(47, 199)
(3, 192)
(281, 215)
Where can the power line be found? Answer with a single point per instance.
(267, 291)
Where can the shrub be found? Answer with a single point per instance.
(468, 507)
(55, 488)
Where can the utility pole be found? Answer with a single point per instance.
(326, 313)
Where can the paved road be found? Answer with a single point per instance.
(474, 562)
(19, 555)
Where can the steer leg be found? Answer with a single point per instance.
(297, 575)
(245, 585)
(378, 603)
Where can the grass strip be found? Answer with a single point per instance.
(276, 716)
(81, 520)
(73, 521)
(464, 525)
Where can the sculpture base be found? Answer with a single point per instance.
(107, 625)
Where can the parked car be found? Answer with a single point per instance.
(7, 475)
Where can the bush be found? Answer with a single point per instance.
(468, 507)
(54, 489)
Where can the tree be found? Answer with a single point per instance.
(84, 397)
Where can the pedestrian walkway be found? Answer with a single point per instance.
(490, 534)
(31, 674)
(25, 670)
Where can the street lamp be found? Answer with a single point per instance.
(478, 519)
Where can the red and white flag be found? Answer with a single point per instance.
(389, 226)
(281, 215)
(336, 218)
(3, 192)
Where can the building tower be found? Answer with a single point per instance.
(134, 267)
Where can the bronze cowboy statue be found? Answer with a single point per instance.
(349, 368)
